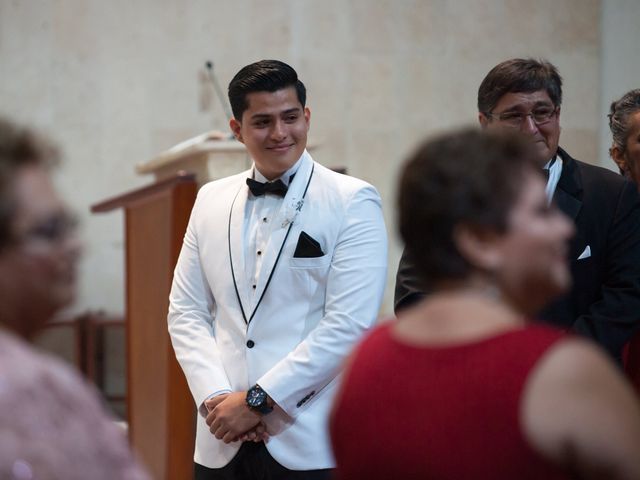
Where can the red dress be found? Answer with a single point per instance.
(439, 412)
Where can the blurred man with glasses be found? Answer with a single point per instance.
(604, 303)
(53, 425)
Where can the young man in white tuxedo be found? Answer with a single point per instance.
(281, 272)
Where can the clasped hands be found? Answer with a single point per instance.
(230, 419)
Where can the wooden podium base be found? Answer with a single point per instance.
(161, 412)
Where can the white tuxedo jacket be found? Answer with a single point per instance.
(312, 313)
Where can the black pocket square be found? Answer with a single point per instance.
(307, 247)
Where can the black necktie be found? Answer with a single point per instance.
(258, 188)
(547, 170)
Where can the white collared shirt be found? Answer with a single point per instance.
(554, 176)
(258, 224)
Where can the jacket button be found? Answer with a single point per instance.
(250, 343)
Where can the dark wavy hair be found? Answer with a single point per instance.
(519, 75)
(262, 76)
(467, 177)
(20, 147)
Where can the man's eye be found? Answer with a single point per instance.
(510, 116)
(291, 118)
(542, 114)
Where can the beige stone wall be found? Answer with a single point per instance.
(620, 62)
(116, 82)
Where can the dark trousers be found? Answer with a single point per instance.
(253, 462)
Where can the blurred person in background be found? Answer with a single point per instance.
(624, 122)
(464, 384)
(52, 424)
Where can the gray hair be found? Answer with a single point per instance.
(619, 114)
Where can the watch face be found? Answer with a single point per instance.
(256, 397)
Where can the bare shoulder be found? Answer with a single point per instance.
(579, 411)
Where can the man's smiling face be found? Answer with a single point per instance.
(274, 129)
(545, 136)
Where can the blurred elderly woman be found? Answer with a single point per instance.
(624, 122)
(463, 385)
(52, 426)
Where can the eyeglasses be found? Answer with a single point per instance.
(540, 116)
(54, 229)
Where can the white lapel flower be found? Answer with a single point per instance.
(291, 211)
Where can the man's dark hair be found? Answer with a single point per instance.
(519, 75)
(19, 148)
(467, 177)
(263, 76)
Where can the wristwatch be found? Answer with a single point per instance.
(257, 400)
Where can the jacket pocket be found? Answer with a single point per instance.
(316, 262)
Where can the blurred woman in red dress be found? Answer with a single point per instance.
(463, 385)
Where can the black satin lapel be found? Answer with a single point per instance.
(282, 244)
(568, 204)
(568, 192)
(231, 243)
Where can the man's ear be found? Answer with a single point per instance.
(235, 129)
(478, 246)
(307, 116)
(618, 157)
(483, 119)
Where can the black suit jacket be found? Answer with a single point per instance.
(604, 302)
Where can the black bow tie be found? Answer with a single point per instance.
(258, 188)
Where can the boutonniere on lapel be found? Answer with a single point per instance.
(291, 212)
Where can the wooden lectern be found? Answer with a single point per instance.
(207, 159)
(160, 409)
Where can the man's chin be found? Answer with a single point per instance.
(544, 154)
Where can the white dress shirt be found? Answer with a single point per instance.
(258, 224)
(555, 170)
